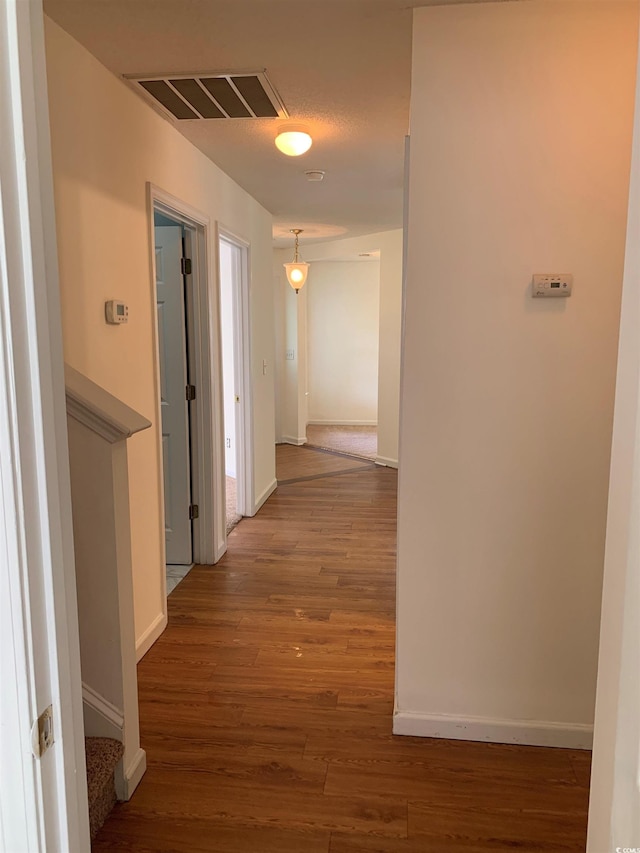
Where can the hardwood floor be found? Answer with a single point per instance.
(266, 708)
(294, 463)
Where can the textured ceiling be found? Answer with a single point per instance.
(341, 66)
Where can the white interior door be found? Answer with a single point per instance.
(172, 347)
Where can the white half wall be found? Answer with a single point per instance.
(107, 144)
(389, 244)
(343, 317)
(521, 119)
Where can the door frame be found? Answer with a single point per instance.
(43, 802)
(242, 373)
(176, 359)
(206, 419)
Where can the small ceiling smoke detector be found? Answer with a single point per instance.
(315, 175)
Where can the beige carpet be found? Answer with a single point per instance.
(102, 756)
(232, 502)
(355, 440)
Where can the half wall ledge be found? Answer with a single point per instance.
(99, 410)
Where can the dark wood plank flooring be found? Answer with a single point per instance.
(266, 708)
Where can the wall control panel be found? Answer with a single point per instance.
(116, 312)
(552, 285)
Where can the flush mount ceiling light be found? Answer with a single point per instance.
(297, 270)
(293, 140)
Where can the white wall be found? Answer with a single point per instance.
(291, 374)
(291, 378)
(342, 341)
(106, 145)
(614, 812)
(521, 120)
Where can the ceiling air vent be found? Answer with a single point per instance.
(216, 95)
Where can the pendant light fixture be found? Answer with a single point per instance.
(297, 270)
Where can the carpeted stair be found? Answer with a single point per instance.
(103, 754)
(232, 502)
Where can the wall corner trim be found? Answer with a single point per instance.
(149, 637)
(297, 442)
(266, 494)
(133, 774)
(386, 461)
(128, 779)
(494, 730)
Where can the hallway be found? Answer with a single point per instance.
(266, 707)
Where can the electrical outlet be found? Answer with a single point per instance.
(228, 442)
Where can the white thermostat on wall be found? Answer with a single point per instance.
(552, 285)
(116, 312)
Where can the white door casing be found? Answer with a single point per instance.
(43, 801)
(227, 333)
(172, 351)
(234, 263)
(207, 439)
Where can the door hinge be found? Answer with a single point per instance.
(194, 511)
(185, 266)
(191, 392)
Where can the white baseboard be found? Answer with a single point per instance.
(529, 732)
(388, 463)
(128, 780)
(149, 637)
(265, 495)
(343, 423)
(297, 442)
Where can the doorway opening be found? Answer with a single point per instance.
(234, 337)
(342, 334)
(177, 390)
(189, 386)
